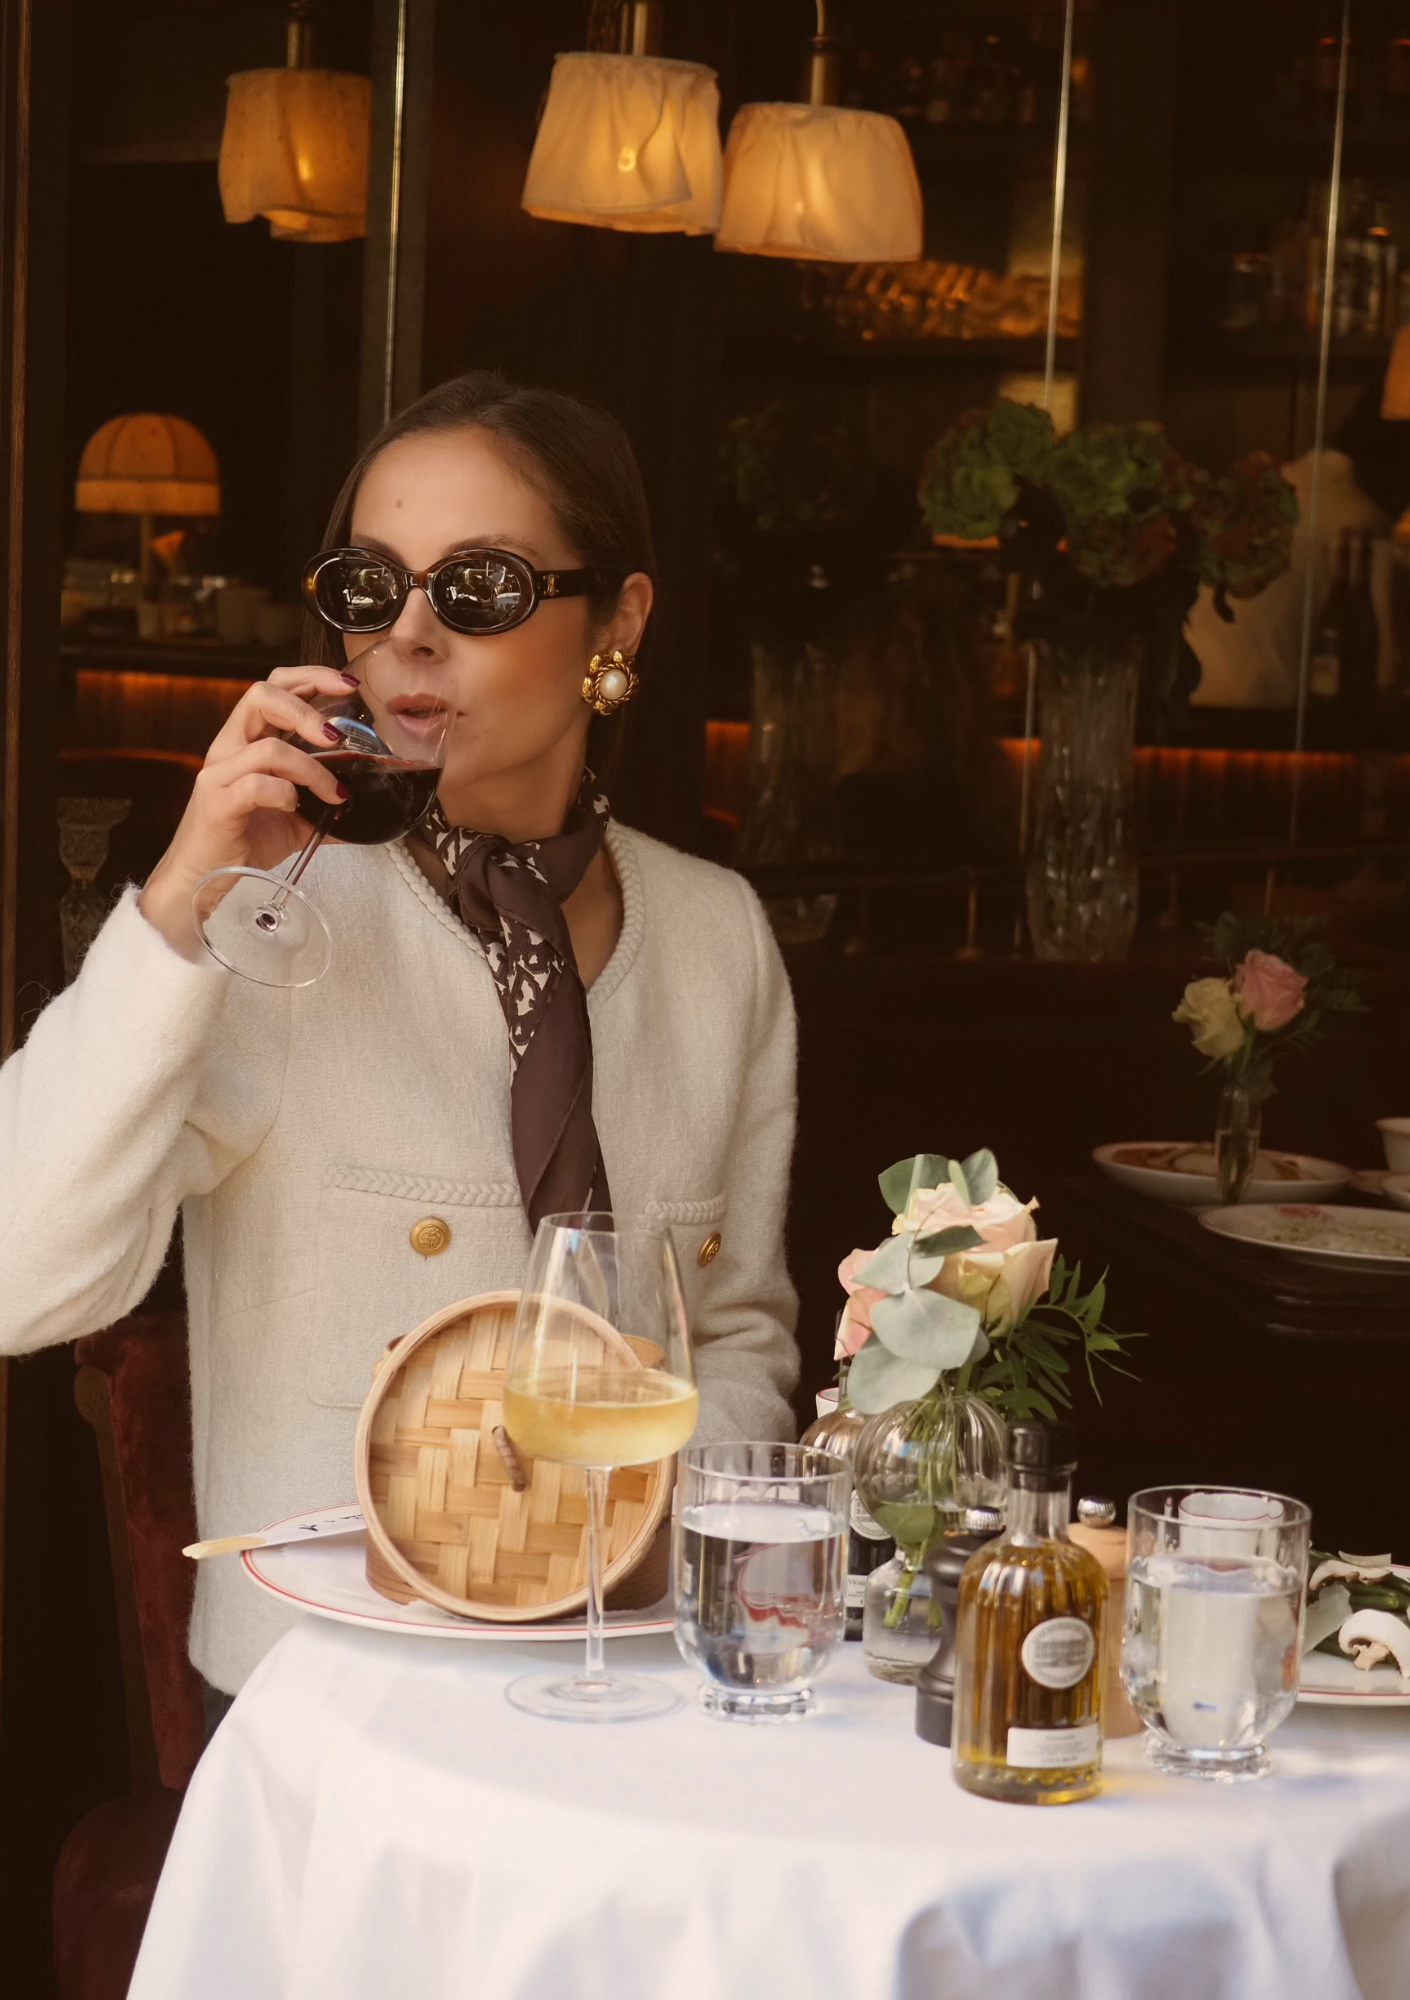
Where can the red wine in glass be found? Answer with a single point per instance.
(388, 796)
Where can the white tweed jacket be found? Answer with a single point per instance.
(303, 1134)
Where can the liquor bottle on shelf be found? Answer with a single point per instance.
(1031, 1631)
(1329, 643)
(1361, 647)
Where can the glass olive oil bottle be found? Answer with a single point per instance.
(1031, 1632)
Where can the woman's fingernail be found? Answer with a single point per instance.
(343, 792)
(351, 679)
(331, 733)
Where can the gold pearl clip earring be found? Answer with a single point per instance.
(610, 682)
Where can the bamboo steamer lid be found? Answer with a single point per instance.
(456, 1515)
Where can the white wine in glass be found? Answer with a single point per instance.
(600, 1374)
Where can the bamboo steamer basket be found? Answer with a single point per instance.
(457, 1516)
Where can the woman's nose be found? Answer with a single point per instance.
(417, 628)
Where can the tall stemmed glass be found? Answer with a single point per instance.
(393, 732)
(600, 1374)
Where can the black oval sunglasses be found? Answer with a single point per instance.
(475, 591)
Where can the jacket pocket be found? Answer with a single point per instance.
(698, 1233)
(393, 1248)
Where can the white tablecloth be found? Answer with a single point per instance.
(374, 1822)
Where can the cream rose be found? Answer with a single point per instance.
(1213, 1014)
(1001, 1221)
(1008, 1273)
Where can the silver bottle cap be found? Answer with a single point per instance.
(1096, 1513)
(982, 1520)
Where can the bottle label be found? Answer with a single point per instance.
(1055, 1749)
(855, 1592)
(1058, 1653)
(867, 1524)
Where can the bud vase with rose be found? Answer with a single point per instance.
(1280, 981)
(952, 1325)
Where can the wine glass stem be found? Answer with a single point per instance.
(301, 861)
(597, 1477)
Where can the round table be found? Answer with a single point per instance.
(373, 1821)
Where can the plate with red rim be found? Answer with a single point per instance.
(1329, 1681)
(1374, 1239)
(1178, 1170)
(329, 1579)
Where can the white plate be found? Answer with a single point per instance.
(329, 1579)
(1364, 1236)
(1329, 1682)
(1396, 1188)
(1185, 1173)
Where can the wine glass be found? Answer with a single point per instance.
(393, 734)
(600, 1374)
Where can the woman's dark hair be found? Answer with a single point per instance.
(572, 450)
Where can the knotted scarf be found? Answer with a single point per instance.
(511, 894)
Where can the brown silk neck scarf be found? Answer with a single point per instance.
(511, 895)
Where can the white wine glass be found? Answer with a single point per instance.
(393, 734)
(600, 1374)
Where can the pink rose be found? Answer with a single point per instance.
(1000, 1222)
(1268, 990)
(855, 1323)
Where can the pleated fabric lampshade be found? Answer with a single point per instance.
(148, 464)
(820, 181)
(628, 142)
(295, 149)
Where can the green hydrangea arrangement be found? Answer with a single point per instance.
(1114, 529)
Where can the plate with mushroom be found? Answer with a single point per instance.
(1356, 1643)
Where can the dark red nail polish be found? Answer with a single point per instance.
(343, 792)
(331, 733)
(351, 679)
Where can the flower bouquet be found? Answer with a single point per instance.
(1281, 983)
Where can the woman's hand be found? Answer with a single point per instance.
(242, 810)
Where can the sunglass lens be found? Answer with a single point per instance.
(481, 593)
(357, 593)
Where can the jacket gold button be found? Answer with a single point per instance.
(429, 1236)
(709, 1249)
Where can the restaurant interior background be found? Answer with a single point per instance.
(835, 703)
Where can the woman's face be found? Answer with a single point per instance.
(520, 715)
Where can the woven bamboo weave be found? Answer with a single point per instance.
(440, 1485)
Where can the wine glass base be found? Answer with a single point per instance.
(744, 1705)
(256, 925)
(570, 1695)
(1221, 1767)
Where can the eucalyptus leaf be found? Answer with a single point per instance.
(926, 1327)
(896, 1265)
(945, 1241)
(959, 1183)
(981, 1170)
(877, 1379)
(898, 1182)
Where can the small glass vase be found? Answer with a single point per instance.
(917, 1467)
(1082, 878)
(1238, 1127)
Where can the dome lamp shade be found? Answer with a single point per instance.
(148, 464)
(628, 142)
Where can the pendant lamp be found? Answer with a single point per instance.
(295, 145)
(628, 139)
(820, 180)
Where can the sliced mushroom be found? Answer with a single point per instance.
(1372, 1636)
(1366, 1569)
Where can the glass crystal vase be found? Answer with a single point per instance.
(917, 1467)
(1082, 877)
(1238, 1127)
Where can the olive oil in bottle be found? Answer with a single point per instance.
(1031, 1633)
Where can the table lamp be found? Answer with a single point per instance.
(820, 180)
(148, 465)
(295, 145)
(628, 140)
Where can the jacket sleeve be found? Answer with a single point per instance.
(107, 1122)
(746, 1358)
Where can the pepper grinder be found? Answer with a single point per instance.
(944, 1565)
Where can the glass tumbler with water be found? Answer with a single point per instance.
(1212, 1643)
(760, 1557)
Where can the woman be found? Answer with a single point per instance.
(305, 1134)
